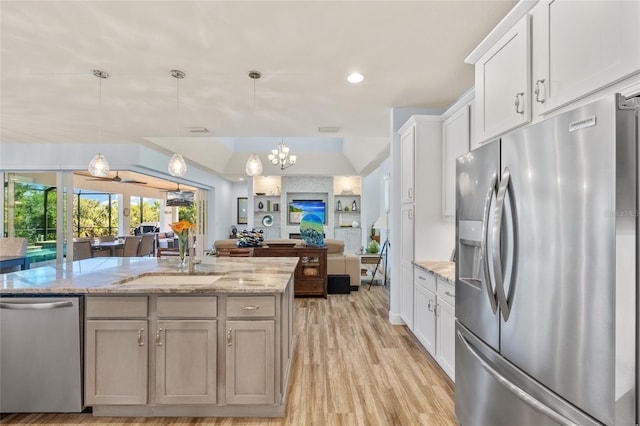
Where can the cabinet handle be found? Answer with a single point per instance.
(429, 305)
(229, 337)
(450, 294)
(409, 214)
(519, 95)
(410, 193)
(140, 340)
(420, 277)
(250, 307)
(158, 337)
(538, 90)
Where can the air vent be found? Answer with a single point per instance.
(328, 129)
(197, 129)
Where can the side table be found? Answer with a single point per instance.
(369, 262)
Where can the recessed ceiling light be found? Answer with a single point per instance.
(355, 78)
(241, 179)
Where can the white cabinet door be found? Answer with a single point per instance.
(407, 165)
(406, 296)
(580, 47)
(445, 318)
(407, 227)
(424, 314)
(352, 238)
(446, 344)
(186, 361)
(502, 83)
(455, 142)
(406, 265)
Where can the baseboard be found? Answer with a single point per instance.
(395, 319)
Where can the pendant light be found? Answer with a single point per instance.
(177, 166)
(99, 166)
(254, 165)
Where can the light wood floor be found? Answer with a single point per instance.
(351, 368)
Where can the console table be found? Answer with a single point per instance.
(310, 277)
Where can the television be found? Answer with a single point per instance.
(298, 208)
(180, 198)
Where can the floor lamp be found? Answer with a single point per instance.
(382, 223)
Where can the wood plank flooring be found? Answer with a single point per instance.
(351, 367)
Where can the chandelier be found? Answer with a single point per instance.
(280, 157)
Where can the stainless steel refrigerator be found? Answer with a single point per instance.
(547, 272)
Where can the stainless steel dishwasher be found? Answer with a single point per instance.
(40, 354)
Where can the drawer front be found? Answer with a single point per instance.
(447, 291)
(425, 279)
(309, 288)
(187, 307)
(117, 307)
(251, 306)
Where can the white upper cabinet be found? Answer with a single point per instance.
(581, 47)
(407, 155)
(502, 83)
(455, 142)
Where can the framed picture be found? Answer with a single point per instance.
(242, 211)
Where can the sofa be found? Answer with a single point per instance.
(338, 262)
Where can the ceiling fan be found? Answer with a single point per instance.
(177, 190)
(118, 179)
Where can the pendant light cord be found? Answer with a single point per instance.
(177, 107)
(99, 110)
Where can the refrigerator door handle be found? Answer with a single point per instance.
(497, 237)
(485, 254)
(516, 390)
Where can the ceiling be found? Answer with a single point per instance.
(410, 52)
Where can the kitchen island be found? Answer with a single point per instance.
(160, 342)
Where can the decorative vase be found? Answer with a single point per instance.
(183, 245)
(312, 230)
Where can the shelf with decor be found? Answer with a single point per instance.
(345, 219)
(345, 215)
(267, 215)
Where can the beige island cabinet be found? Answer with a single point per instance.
(160, 342)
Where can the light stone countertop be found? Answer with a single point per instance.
(110, 275)
(443, 269)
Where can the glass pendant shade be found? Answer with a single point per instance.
(99, 166)
(254, 165)
(177, 166)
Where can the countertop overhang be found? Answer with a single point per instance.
(110, 275)
(443, 269)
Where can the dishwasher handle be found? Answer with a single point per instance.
(33, 306)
